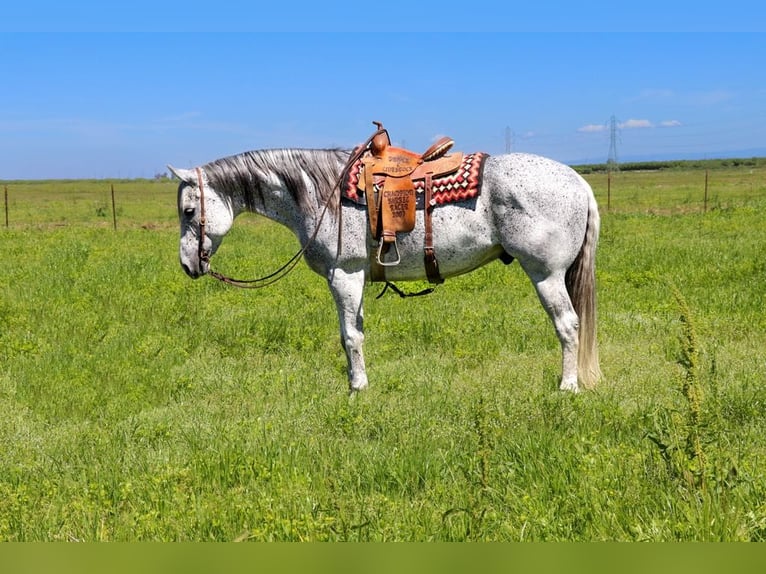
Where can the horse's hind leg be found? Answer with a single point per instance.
(553, 295)
(347, 290)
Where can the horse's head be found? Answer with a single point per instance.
(205, 218)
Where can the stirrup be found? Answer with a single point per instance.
(380, 254)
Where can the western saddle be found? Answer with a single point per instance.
(388, 182)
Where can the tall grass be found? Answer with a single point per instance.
(136, 404)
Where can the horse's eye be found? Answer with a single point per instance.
(189, 212)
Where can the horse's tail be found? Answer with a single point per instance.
(581, 286)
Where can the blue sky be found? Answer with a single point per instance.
(133, 97)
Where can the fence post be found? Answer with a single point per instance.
(114, 211)
(6, 206)
(609, 191)
(704, 208)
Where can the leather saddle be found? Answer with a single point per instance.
(388, 181)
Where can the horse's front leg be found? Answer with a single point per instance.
(347, 289)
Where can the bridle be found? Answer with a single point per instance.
(204, 256)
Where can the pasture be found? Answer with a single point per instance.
(137, 404)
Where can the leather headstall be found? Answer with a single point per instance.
(201, 253)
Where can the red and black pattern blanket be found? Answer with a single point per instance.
(463, 184)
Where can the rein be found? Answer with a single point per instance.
(272, 278)
(246, 283)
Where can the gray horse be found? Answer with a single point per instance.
(529, 208)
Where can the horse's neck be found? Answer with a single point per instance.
(290, 185)
(273, 201)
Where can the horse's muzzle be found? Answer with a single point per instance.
(196, 272)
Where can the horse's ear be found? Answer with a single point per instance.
(186, 175)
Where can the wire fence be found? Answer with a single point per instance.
(152, 203)
(678, 192)
(115, 204)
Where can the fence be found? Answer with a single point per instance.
(152, 203)
(128, 203)
(678, 191)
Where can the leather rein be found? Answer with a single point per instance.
(272, 278)
(260, 282)
(204, 256)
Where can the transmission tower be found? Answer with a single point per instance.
(611, 162)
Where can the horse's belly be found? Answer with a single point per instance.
(463, 240)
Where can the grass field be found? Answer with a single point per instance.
(136, 404)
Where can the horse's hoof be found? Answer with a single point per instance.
(356, 386)
(572, 387)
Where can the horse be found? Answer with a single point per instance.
(533, 209)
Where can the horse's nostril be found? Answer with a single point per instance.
(188, 271)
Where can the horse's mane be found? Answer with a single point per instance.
(297, 169)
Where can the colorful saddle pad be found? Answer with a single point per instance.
(463, 184)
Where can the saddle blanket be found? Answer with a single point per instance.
(465, 183)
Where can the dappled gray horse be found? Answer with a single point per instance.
(528, 208)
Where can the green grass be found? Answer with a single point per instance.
(136, 404)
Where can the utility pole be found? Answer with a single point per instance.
(508, 140)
